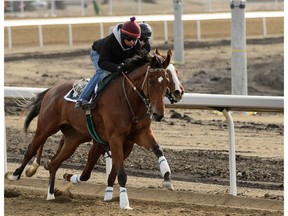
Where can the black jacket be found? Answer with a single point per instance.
(111, 52)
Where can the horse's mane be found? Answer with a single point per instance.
(139, 59)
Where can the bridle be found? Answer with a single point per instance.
(144, 98)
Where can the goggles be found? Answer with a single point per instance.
(129, 38)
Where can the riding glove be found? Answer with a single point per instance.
(121, 68)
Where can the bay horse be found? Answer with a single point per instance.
(174, 93)
(112, 116)
(97, 150)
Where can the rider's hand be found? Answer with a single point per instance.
(121, 68)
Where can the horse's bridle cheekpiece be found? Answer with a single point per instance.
(144, 97)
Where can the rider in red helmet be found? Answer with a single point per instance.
(108, 54)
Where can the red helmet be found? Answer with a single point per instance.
(131, 28)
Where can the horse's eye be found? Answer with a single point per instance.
(151, 82)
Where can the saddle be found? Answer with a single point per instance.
(79, 85)
(102, 85)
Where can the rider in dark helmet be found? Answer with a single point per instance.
(146, 33)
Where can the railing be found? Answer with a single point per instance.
(223, 103)
(60, 8)
(120, 19)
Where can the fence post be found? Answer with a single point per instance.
(264, 26)
(178, 32)
(238, 48)
(232, 156)
(40, 36)
(70, 35)
(165, 31)
(198, 30)
(9, 38)
(101, 30)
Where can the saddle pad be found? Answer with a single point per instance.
(76, 90)
(79, 85)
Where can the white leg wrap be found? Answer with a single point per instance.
(10, 176)
(75, 179)
(50, 196)
(108, 194)
(124, 202)
(164, 167)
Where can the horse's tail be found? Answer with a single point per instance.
(34, 108)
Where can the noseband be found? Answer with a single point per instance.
(145, 98)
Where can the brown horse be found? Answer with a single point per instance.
(174, 93)
(113, 119)
(176, 90)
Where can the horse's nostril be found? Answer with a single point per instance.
(177, 92)
(157, 117)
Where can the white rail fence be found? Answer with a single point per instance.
(223, 103)
(120, 19)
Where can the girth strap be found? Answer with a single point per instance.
(91, 128)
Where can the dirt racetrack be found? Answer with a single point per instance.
(195, 142)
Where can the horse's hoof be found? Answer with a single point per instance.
(168, 185)
(10, 176)
(32, 169)
(58, 192)
(67, 176)
(127, 208)
(50, 196)
(46, 165)
(108, 196)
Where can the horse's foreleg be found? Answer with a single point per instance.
(147, 140)
(116, 146)
(164, 167)
(112, 176)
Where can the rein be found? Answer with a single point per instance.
(144, 99)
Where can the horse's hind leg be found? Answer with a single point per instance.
(61, 143)
(71, 142)
(95, 152)
(32, 169)
(39, 139)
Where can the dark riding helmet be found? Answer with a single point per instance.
(146, 30)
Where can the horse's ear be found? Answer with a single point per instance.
(157, 51)
(168, 59)
(153, 62)
(169, 52)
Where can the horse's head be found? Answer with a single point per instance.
(155, 86)
(175, 89)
